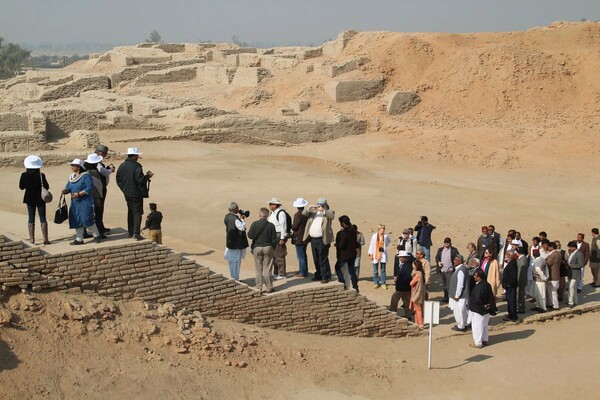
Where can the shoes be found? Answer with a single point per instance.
(445, 300)
(323, 281)
(76, 242)
(315, 278)
(299, 276)
(270, 290)
(138, 237)
(86, 235)
(98, 239)
(376, 286)
(48, 242)
(106, 230)
(578, 290)
(457, 329)
(384, 286)
(484, 342)
(521, 311)
(278, 277)
(475, 346)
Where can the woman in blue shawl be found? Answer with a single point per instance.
(81, 214)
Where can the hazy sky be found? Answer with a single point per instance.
(269, 21)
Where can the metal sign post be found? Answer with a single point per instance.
(431, 316)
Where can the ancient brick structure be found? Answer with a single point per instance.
(155, 274)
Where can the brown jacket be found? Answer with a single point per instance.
(553, 261)
(585, 250)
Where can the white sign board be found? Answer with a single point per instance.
(431, 313)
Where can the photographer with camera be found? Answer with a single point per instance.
(236, 241)
(135, 187)
(424, 229)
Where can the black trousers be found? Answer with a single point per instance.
(135, 210)
(511, 303)
(320, 252)
(351, 271)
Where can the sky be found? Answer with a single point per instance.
(269, 21)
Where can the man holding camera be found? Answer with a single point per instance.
(135, 186)
(424, 229)
(236, 241)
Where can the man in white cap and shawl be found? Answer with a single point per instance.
(134, 184)
(278, 217)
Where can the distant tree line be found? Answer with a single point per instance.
(12, 58)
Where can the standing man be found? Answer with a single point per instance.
(575, 264)
(554, 261)
(584, 248)
(459, 293)
(318, 228)
(407, 243)
(134, 184)
(420, 255)
(264, 239)
(484, 242)
(402, 277)
(236, 242)
(345, 245)
(424, 229)
(540, 278)
(153, 224)
(445, 265)
(595, 257)
(481, 304)
(279, 219)
(105, 172)
(495, 238)
(522, 267)
(298, 228)
(510, 283)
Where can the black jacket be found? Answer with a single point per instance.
(345, 244)
(403, 274)
(510, 276)
(453, 253)
(32, 184)
(481, 300)
(131, 179)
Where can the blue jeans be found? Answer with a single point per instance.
(426, 253)
(41, 212)
(302, 259)
(376, 278)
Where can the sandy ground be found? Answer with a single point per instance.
(360, 177)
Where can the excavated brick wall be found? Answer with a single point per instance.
(155, 274)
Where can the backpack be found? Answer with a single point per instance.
(288, 222)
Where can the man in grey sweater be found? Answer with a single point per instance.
(264, 239)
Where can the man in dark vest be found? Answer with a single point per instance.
(402, 277)
(458, 290)
(481, 304)
(236, 241)
(134, 184)
(510, 283)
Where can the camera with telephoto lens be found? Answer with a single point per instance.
(245, 213)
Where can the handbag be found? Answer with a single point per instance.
(46, 195)
(62, 212)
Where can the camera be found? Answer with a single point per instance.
(245, 213)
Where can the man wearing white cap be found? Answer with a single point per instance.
(298, 228)
(105, 171)
(318, 229)
(134, 184)
(278, 217)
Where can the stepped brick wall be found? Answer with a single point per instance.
(155, 274)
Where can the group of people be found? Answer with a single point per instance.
(471, 285)
(87, 186)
